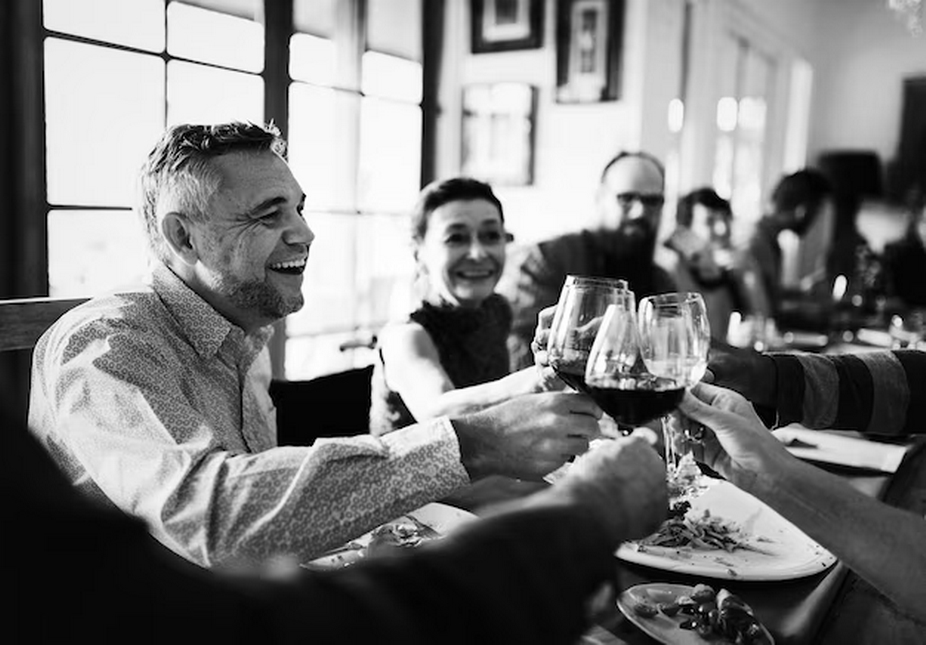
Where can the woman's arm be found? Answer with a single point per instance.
(413, 369)
(881, 544)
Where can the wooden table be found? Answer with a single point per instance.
(833, 607)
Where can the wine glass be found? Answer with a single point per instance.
(617, 377)
(582, 304)
(675, 340)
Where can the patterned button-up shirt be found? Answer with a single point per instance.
(151, 400)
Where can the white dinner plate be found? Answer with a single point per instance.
(664, 629)
(439, 518)
(780, 550)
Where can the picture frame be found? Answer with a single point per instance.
(499, 133)
(589, 39)
(506, 25)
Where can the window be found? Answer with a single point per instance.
(111, 86)
(349, 105)
(741, 124)
(355, 146)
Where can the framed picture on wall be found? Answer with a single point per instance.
(498, 133)
(504, 25)
(589, 36)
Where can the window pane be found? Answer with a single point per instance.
(139, 23)
(315, 16)
(213, 37)
(312, 59)
(392, 78)
(390, 155)
(104, 109)
(313, 142)
(329, 284)
(311, 356)
(200, 94)
(394, 26)
(90, 252)
(385, 269)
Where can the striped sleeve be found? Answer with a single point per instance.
(876, 392)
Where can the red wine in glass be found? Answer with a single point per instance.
(636, 399)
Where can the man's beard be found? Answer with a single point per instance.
(632, 259)
(258, 296)
(636, 242)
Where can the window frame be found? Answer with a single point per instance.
(22, 69)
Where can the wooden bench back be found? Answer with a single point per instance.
(24, 320)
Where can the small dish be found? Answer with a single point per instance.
(661, 627)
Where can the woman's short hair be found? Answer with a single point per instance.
(707, 197)
(438, 193)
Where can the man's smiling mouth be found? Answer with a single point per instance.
(476, 274)
(290, 267)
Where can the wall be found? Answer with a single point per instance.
(573, 142)
(862, 55)
(858, 50)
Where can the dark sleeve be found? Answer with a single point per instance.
(663, 282)
(877, 392)
(517, 577)
(539, 281)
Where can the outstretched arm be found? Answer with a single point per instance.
(413, 369)
(881, 544)
(876, 392)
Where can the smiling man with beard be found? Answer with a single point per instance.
(155, 398)
(630, 199)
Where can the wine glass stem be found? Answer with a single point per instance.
(670, 450)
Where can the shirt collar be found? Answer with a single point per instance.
(205, 328)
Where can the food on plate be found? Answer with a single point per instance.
(719, 617)
(402, 533)
(704, 531)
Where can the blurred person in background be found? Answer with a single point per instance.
(796, 202)
(905, 260)
(154, 398)
(630, 198)
(707, 262)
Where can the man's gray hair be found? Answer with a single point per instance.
(179, 175)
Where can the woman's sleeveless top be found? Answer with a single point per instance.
(471, 344)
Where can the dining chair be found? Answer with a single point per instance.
(24, 320)
(22, 323)
(334, 405)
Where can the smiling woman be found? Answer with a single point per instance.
(451, 356)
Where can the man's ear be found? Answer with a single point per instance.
(178, 234)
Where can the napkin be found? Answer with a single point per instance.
(841, 448)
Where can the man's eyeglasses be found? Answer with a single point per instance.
(626, 200)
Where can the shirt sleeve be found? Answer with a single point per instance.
(876, 392)
(141, 441)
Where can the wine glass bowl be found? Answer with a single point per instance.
(616, 376)
(675, 336)
(582, 304)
